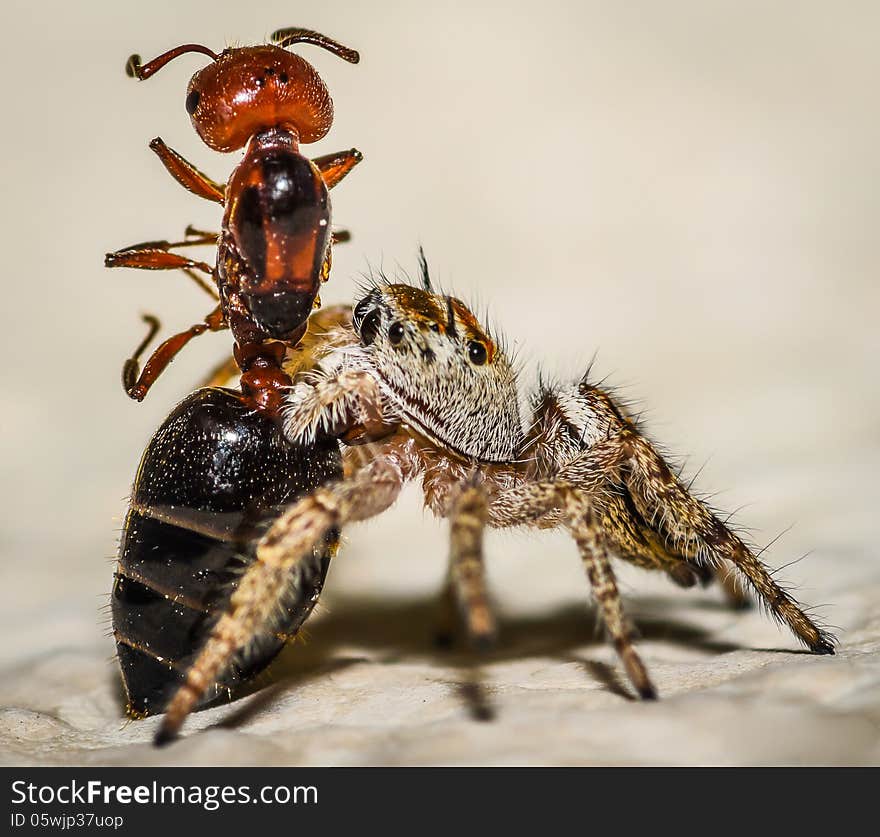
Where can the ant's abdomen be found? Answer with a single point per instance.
(212, 478)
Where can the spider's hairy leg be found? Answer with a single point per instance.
(467, 572)
(588, 535)
(279, 556)
(737, 596)
(684, 519)
(633, 540)
(527, 503)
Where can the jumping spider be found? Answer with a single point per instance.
(416, 387)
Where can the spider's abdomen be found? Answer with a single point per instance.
(211, 479)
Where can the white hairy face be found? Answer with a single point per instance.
(440, 371)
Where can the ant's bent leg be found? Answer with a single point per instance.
(334, 167)
(684, 519)
(467, 572)
(280, 554)
(154, 255)
(187, 175)
(137, 387)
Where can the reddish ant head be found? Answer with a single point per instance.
(251, 89)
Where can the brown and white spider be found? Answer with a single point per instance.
(416, 387)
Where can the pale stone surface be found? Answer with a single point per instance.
(368, 687)
(690, 188)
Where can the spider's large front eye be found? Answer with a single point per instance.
(395, 333)
(477, 352)
(369, 327)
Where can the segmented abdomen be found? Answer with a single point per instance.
(212, 478)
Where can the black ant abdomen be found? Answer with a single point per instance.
(211, 479)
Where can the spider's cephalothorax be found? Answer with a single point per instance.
(436, 368)
(417, 388)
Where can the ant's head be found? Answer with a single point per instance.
(251, 89)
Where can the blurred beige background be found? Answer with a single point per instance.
(689, 188)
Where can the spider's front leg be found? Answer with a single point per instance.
(280, 555)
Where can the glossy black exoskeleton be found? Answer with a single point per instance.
(212, 477)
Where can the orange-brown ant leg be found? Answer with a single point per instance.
(196, 236)
(187, 175)
(131, 365)
(334, 167)
(154, 255)
(137, 387)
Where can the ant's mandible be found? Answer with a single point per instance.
(273, 250)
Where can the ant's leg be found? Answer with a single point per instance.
(137, 387)
(154, 255)
(197, 236)
(467, 574)
(130, 367)
(278, 561)
(187, 175)
(340, 236)
(334, 167)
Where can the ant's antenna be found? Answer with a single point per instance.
(134, 68)
(292, 35)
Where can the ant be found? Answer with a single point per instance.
(219, 470)
(273, 250)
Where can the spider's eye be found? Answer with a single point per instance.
(395, 333)
(192, 101)
(435, 327)
(477, 352)
(369, 327)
